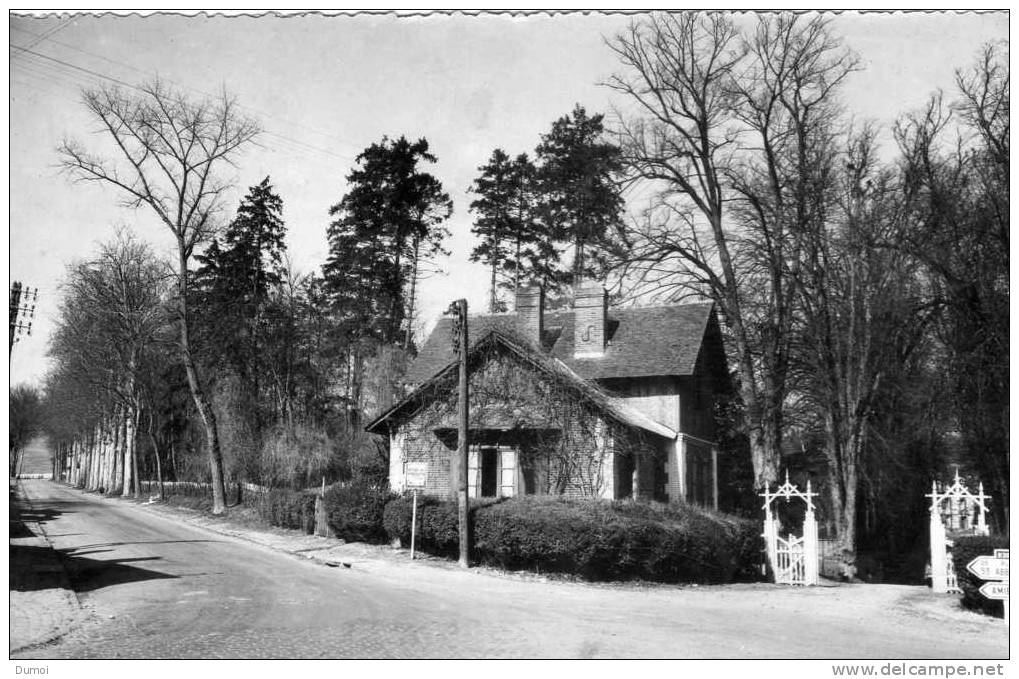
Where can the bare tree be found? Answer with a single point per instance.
(956, 190)
(734, 135)
(125, 286)
(864, 309)
(169, 150)
(111, 315)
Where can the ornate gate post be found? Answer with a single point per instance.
(960, 508)
(810, 554)
(770, 536)
(939, 550)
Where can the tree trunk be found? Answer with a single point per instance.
(86, 466)
(762, 433)
(845, 524)
(155, 453)
(493, 306)
(205, 412)
(90, 459)
(132, 443)
(100, 456)
(516, 273)
(94, 453)
(173, 460)
(125, 445)
(111, 449)
(413, 294)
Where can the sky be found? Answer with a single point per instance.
(324, 88)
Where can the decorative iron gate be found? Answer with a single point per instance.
(793, 560)
(958, 510)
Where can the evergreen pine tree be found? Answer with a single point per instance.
(235, 278)
(581, 205)
(387, 224)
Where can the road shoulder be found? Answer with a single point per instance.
(43, 606)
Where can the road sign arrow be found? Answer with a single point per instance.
(995, 590)
(988, 568)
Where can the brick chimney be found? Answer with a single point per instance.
(530, 308)
(590, 303)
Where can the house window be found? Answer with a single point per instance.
(492, 472)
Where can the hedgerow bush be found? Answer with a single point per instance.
(285, 508)
(355, 512)
(965, 549)
(594, 539)
(199, 503)
(438, 530)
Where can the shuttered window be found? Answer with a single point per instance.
(473, 473)
(508, 473)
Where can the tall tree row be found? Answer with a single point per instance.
(954, 165)
(111, 323)
(837, 275)
(170, 148)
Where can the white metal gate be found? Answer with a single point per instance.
(793, 560)
(790, 565)
(953, 507)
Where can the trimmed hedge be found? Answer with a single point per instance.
(965, 549)
(285, 508)
(594, 539)
(438, 530)
(355, 512)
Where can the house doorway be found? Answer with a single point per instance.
(489, 472)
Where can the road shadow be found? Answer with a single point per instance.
(40, 512)
(88, 574)
(35, 568)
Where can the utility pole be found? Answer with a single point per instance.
(15, 302)
(459, 331)
(22, 305)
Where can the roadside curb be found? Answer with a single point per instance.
(320, 550)
(309, 548)
(40, 616)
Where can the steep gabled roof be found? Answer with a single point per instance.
(641, 342)
(444, 380)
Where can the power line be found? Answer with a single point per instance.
(53, 31)
(76, 67)
(61, 68)
(198, 91)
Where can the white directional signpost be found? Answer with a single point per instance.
(993, 568)
(415, 473)
(995, 590)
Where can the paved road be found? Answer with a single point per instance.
(36, 458)
(157, 588)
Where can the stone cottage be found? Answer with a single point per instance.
(587, 402)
